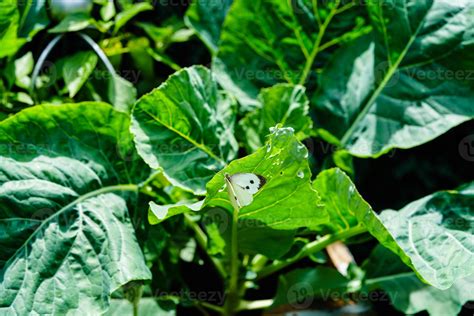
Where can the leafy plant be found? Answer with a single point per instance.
(122, 207)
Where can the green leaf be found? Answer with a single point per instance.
(143, 61)
(123, 17)
(23, 97)
(73, 23)
(408, 294)
(345, 206)
(159, 213)
(216, 229)
(281, 104)
(171, 31)
(107, 12)
(160, 35)
(259, 50)
(256, 238)
(23, 68)
(406, 85)
(76, 70)
(430, 235)
(299, 287)
(34, 18)
(66, 240)
(9, 25)
(435, 232)
(121, 93)
(283, 162)
(206, 18)
(19, 23)
(186, 127)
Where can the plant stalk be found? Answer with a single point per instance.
(252, 305)
(233, 297)
(317, 44)
(201, 239)
(311, 248)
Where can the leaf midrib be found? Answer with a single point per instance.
(104, 190)
(391, 277)
(190, 140)
(345, 138)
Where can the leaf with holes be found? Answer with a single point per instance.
(283, 162)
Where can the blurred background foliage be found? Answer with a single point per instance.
(144, 41)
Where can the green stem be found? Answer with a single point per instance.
(135, 308)
(233, 297)
(258, 262)
(211, 307)
(317, 44)
(368, 105)
(311, 248)
(149, 179)
(251, 305)
(201, 239)
(375, 281)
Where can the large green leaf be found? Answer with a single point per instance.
(426, 234)
(405, 86)
(66, 238)
(259, 50)
(281, 104)
(408, 294)
(186, 127)
(436, 232)
(283, 162)
(206, 18)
